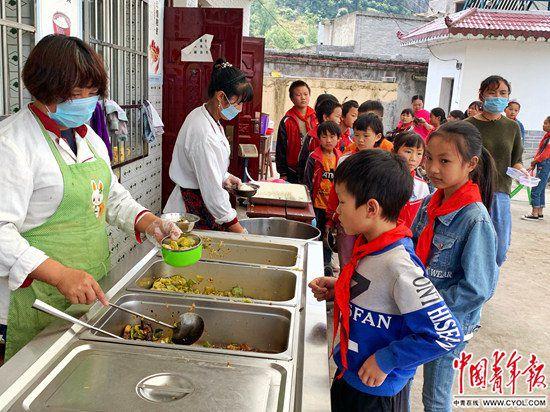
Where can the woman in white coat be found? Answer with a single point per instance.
(201, 155)
(59, 192)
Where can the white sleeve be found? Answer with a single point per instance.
(17, 257)
(204, 159)
(122, 209)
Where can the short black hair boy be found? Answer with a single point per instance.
(380, 175)
(295, 84)
(347, 106)
(370, 120)
(326, 107)
(330, 128)
(372, 106)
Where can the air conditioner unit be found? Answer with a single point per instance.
(389, 79)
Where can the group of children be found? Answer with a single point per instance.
(416, 268)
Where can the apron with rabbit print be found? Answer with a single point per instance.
(75, 235)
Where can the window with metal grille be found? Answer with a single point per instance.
(16, 39)
(118, 30)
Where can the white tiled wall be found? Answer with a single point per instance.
(143, 179)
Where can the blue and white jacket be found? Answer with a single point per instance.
(397, 314)
(462, 263)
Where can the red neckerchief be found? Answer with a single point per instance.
(306, 118)
(361, 249)
(468, 193)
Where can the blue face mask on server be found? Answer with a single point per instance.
(495, 104)
(74, 113)
(231, 111)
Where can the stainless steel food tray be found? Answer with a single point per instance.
(102, 376)
(269, 329)
(248, 252)
(260, 284)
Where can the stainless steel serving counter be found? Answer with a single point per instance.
(71, 368)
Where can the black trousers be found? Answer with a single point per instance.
(345, 398)
(321, 217)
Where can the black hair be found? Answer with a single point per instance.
(230, 80)
(439, 112)
(347, 106)
(407, 111)
(295, 84)
(457, 114)
(408, 139)
(370, 120)
(492, 82)
(372, 106)
(322, 97)
(329, 127)
(326, 107)
(514, 102)
(469, 144)
(477, 103)
(417, 97)
(380, 175)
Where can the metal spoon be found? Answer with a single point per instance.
(186, 332)
(189, 329)
(44, 307)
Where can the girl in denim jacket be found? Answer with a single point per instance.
(456, 240)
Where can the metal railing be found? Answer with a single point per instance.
(16, 38)
(118, 30)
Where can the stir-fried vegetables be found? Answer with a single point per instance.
(181, 284)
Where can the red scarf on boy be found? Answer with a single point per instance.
(466, 194)
(361, 249)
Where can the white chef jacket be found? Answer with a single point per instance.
(200, 161)
(32, 187)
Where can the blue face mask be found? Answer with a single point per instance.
(74, 113)
(495, 104)
(229, 112)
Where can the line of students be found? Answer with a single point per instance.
(416, 267)
(397, 306)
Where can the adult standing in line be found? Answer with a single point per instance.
(201, 154)
(502, 138)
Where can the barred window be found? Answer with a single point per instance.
(118, 29)
(16, 39)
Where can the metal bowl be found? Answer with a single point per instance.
(185, 221)
(246, 193)
(278, 227)
(181, 258)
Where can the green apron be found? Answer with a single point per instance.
(75, 235)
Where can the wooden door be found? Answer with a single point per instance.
(252, 65)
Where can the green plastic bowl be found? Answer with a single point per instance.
(185, 257)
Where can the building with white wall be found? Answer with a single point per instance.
(468, 46)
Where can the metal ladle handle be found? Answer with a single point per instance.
(141, 315)
(50, 310)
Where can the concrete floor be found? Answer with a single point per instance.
(518, 315)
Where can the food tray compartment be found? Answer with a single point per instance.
(267, 329)
(259, 284)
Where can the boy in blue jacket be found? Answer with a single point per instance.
(391, 317)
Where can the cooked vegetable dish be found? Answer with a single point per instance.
(183, 243)
(181, 284)
(144, 331)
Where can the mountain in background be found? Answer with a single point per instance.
(292, 24)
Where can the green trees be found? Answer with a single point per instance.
(292, 24)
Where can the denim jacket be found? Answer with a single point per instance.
(462, 264)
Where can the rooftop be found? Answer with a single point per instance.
(482, 23)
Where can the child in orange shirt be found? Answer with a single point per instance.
(350, 111)
(319, 176)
